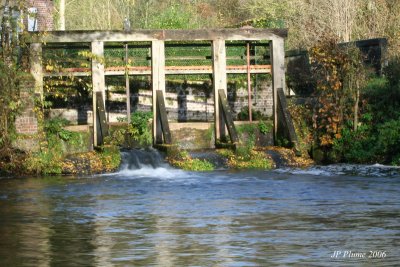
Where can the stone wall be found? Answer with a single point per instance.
(184, 102)
(193, 103)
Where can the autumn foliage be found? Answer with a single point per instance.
(335, 69)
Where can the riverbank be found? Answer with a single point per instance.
(105, 159)
(108, 159)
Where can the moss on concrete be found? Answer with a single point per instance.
(181, 159)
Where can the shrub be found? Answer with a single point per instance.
(139, 130)
(370, 143)
(10, 103)
(49, 160)
(43, 162)
(388, 141)
(382, 99)
(302, 121)
(355, 146)
(265, 127)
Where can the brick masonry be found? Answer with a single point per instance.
(26, 122)
(45, 10)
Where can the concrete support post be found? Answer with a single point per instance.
(35, 59)
(219, 82)
(158, 83)
(278, 76)
(98, 81)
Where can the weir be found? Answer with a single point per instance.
(155, 41)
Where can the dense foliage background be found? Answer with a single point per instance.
(307, 20)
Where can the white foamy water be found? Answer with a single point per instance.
(149, 171)
(147, 163)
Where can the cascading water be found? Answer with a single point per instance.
(141, 158)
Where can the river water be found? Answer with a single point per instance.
(149, 214)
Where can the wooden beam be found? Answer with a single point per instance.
(169, 70)
(102, 126)
(98, 80)
(249, 101)
(158, 83)
(278, 76)
(152, 35)
(127, 86)
(220, 83)
(36, 68)
(287, 123)
(162, 118)
(227, 113)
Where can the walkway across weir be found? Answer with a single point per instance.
(273, 38)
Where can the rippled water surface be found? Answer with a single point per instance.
(156, 216)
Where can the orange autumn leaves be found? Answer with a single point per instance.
(331, 65)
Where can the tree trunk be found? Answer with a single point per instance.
(355, 126)
(6, 34)
(61, 13)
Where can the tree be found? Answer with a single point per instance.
(97, 15)
(60, 10)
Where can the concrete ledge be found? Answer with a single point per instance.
(173, 126)
(78, 128)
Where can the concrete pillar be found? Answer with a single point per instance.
(158, 83)
(35, 59)
(98, 81)
(219, 82)
(278, 76)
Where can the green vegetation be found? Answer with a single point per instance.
(54, 128)
(265, 127)
(10, 103)
(136, 133)
(139, 128)
(377, 137)
(54, 158)
(246, 154)
(181, 159)
(48, 160)
(243, 158)
(12, 77)
(356, 117)
(104, 159)
(302, 120)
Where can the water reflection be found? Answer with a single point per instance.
(212, 219)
